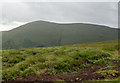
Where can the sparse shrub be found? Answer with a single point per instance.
(109, 63)
(82, 65)
(52, 71)
(41, 65)
(100, 62)
(39, 72)
(60, 52)
(76, 63)
(94, 54)
(23, 66)
(76, 55)
(6, 74)
(15, 60)
(109, 48)
(108, 72)
(62, 66)
(27, 71)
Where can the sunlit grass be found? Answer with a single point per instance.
(23, 62)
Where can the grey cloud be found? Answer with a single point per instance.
(92, 12)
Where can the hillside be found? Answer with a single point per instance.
(0, 40)
(44, 34)
(78, 62)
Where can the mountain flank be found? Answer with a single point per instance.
(46, 34)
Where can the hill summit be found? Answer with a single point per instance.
(44, 34)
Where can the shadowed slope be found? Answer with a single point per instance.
(42, 34)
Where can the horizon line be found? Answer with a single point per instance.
(62, 23)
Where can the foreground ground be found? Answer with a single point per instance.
(79, 62)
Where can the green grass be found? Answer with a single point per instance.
(23, 62)
(105, 72)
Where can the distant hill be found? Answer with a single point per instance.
(44, 34)
(0, 40)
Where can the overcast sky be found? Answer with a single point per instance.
(15, 14)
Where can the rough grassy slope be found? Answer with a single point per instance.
(79, 62)
(44, 34)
